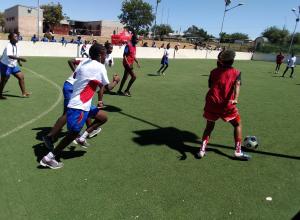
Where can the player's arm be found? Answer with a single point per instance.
(137, 63)
(114, 82)
(237, 87)
(100, 97)
(72, 64)
(125, 54)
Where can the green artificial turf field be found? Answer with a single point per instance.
(142, 165)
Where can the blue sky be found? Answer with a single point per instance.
(251, 18)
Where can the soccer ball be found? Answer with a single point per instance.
(250, 142)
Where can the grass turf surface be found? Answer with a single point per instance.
(142, 165)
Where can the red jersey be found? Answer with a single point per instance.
(279, 59)
(221, 90)
(129, 53)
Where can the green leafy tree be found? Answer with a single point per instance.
(2, 21)
(136, 15)
(238, 36)
(296, 38)
(162, 30)
(276, 35)
(53, 14)
(195, 31)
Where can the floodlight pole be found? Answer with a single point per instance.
(38, 20)
(293, 35)
(226, 10)
(154, 30)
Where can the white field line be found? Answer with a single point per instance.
(44, 113)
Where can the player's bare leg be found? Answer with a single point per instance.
(210, 125)
(21, 80)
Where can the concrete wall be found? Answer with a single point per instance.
(271, 57)
(28, 48)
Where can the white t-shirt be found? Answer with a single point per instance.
(292, 61)
(78, 61)
(167, 52)
(109, 60)
(89, 75)
(10, 50)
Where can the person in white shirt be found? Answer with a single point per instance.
(164, 61)
(89, 75)
(9, 65)
(291, 63)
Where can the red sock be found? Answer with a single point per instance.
(204, 142)
(238, 145)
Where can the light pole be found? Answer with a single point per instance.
(226, 10)
(154, 30)
(297, 20)
(38, 20)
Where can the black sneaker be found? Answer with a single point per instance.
(48, 142)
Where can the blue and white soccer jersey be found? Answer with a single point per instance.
(165, 58)
(89, 75)
(9, 66)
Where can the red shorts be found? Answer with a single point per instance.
(225, 116)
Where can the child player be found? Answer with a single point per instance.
(221, 99)
(9, 65)
(279, 60)
(165, 60)
(89, 75)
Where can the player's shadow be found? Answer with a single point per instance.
(153, 74)
(13, 96)
(43, 131)
(172, 137)
(40, 151)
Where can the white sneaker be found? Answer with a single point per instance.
(201, 154)
(51, 163)
(83, 144)
(95, 132)
(241, 155)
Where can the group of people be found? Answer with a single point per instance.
(90, 74)
(291, 63)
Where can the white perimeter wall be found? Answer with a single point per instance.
(48, 49)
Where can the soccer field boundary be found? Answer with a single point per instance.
(44, 113)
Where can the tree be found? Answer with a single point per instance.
(276, 35)
(136, 15)
(238, 36)
(2, 21)
(53, 14)
(161, 30)
(296, 38)
(194, 31)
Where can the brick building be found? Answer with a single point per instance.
(23, 19)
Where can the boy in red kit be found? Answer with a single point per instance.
(221, 99)
(279, 60)
(129, 57)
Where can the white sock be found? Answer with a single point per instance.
(50, 156)
(84, 136)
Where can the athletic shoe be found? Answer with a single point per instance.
(120, 93)
(48, 142)
(95, 132)
(83, 144)
(201, 154)
(127, 93)
(241, 155)
(51, 163)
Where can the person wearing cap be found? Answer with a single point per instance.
(221, 100)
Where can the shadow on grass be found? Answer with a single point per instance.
(43, 131)
(297, 216)
(153, 74)
(13, 96)
(40, 151)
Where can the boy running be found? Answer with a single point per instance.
(291, 63)
(165, 60)
(129, 57)
(279, 60)
(89, 75)
(9, 65)
(221, 99)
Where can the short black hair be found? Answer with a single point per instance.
(95, 51)
(108, 45)
(10, 35)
